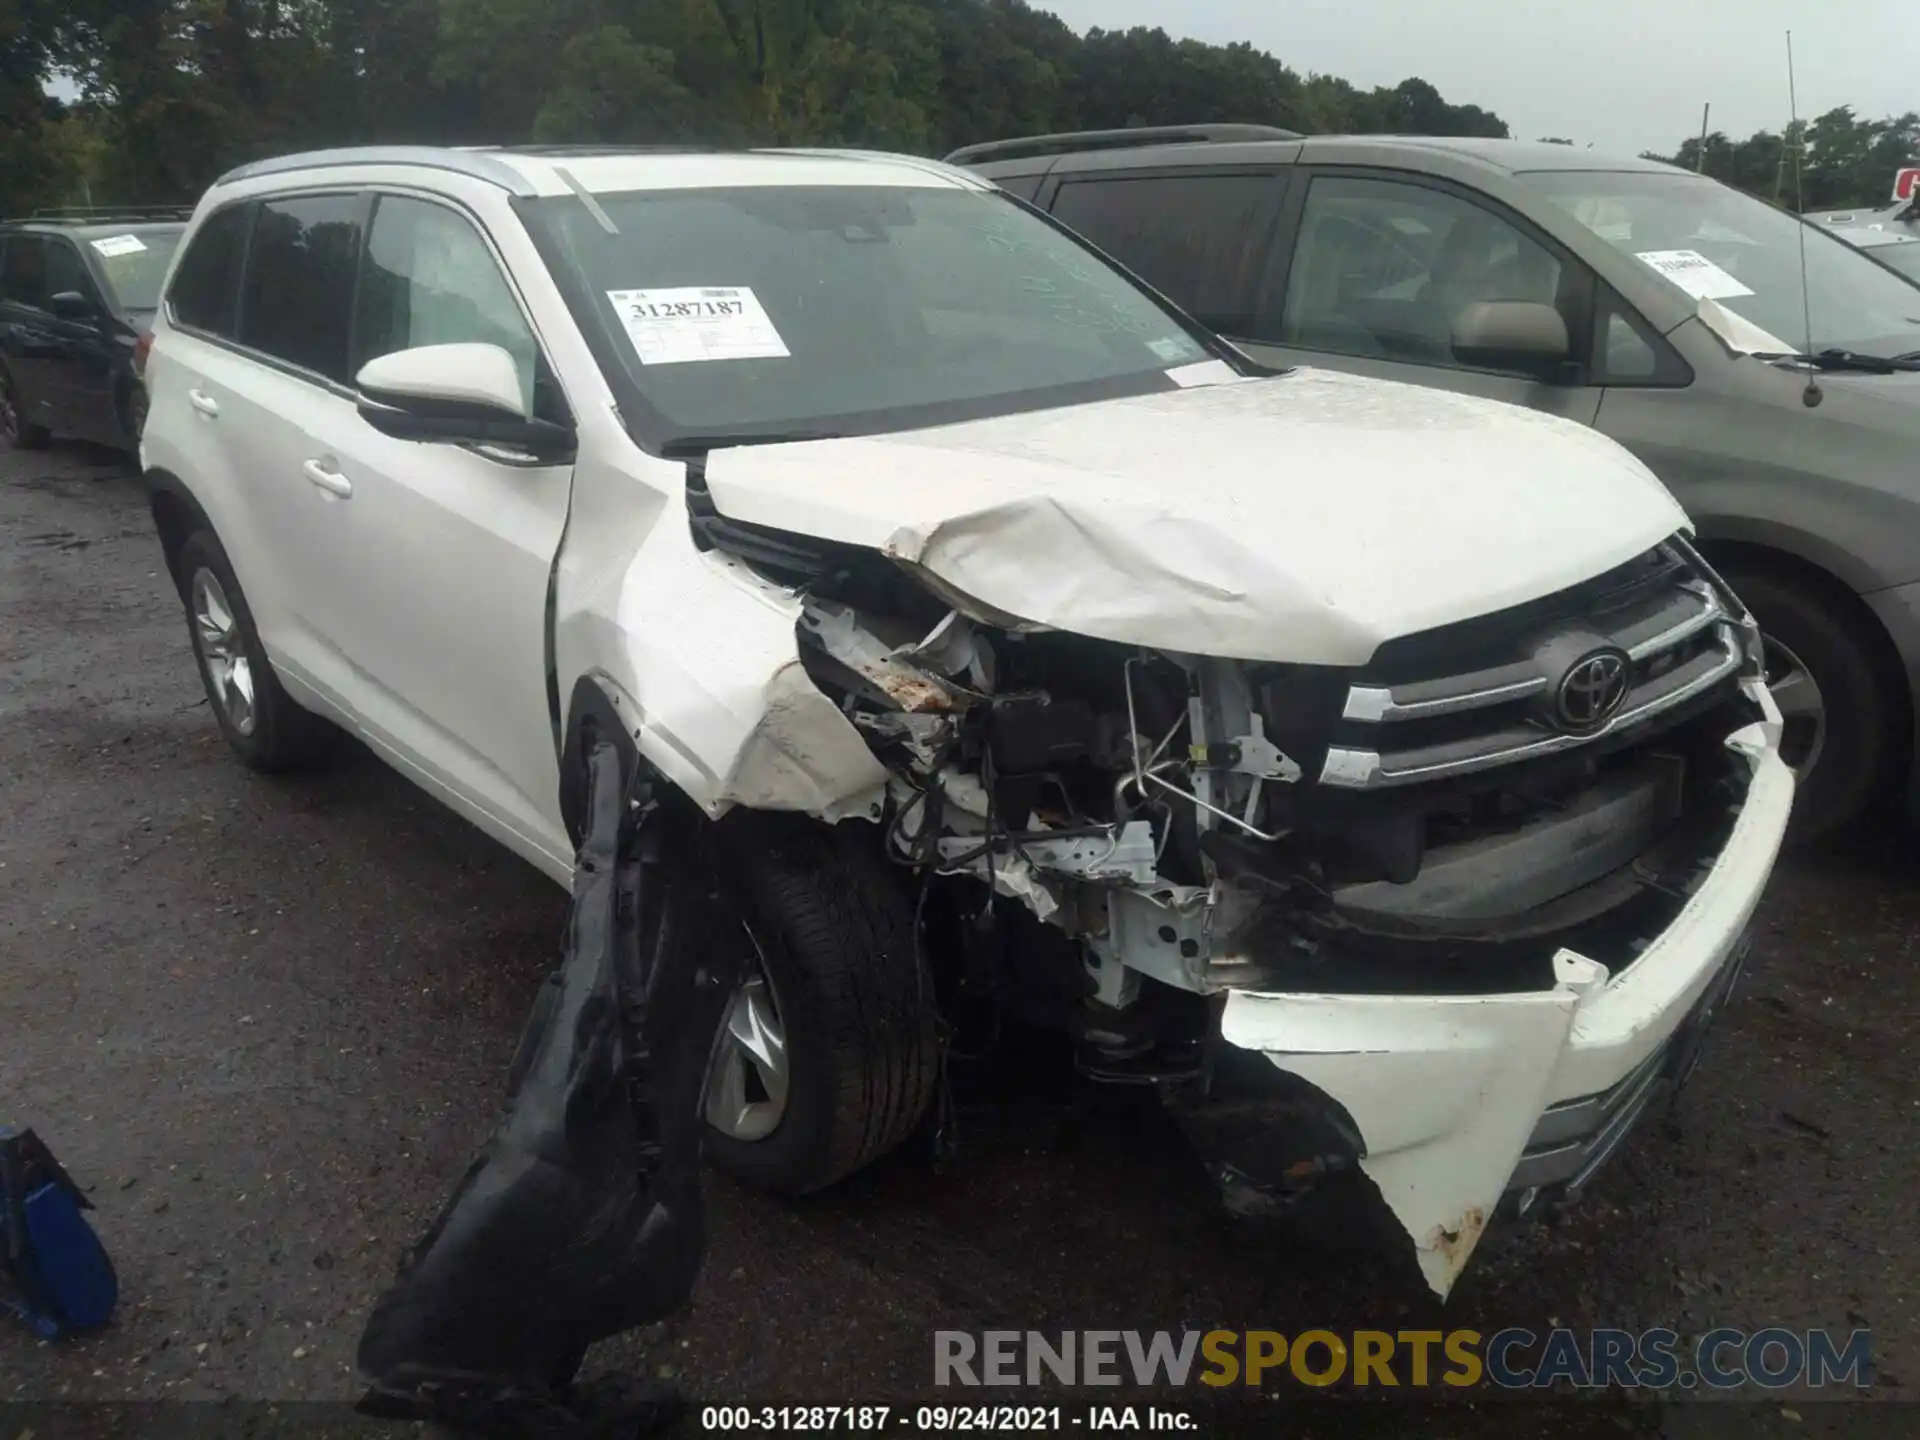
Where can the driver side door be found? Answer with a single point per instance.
(1373, 268)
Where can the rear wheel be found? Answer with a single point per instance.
(262, 724)
(827, 1055)
(15, 430)
(1837, 709)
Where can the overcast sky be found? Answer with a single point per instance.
(1623, 75)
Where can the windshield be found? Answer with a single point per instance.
(1718, 243)
(135, 262)
(854, 307)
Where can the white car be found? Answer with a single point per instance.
(1375, 771)
(1896, 247)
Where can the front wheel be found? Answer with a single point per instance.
(1837, 709)
(827, 1055)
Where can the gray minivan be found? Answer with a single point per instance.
(1661, 308)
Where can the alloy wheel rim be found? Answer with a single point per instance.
(1803, 709)
(223, 651)
(748, 1076)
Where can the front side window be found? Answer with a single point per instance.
(839, 308)
(1717, 243)
(205, 292)
(297, 301)
(429, 279)
(66, 275)
(1384, 268)
(1189, 236)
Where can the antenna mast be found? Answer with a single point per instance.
(1812, 395)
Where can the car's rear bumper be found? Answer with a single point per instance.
(1460, 1099)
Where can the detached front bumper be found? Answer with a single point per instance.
(1461, 1099)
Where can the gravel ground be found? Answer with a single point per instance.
(265, 1022)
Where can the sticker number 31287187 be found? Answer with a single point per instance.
(690, 323)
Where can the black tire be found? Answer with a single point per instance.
(835, 929)
(15, 429)
(282, 736)
(1860, 708)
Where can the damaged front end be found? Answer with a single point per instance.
(1452, 917)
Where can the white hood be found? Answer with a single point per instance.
(1305, 518)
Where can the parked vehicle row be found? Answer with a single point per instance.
(1379, 774)
(78, 289)
(1661, 309)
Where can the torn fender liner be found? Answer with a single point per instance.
(582, 1215)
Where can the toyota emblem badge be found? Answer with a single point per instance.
(1593, 690)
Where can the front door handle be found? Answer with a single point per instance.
(203, 402)
(331, 481)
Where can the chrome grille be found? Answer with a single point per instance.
(1680, 642)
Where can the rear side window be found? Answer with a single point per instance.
(297, 302)
(1189, 236)
(23, 272)
(206, 286)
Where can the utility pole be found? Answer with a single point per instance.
(1700, 159)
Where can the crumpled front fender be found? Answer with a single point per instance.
(698, 655)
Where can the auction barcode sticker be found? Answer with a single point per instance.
(1694, 273)
(691, 323)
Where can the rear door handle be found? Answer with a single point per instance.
(331, 481)
(203, 402)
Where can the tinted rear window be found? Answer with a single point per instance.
(297, 302)
(206, 287)
(1189, 236)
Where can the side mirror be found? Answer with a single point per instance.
(1518, 335)
(72, 305)
(467, 394)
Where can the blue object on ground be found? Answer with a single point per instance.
(54, 1272)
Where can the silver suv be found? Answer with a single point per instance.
(1658, 307)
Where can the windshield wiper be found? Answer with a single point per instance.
(684, 447)
(1849, 360)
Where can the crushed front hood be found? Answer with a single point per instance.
(1305, 518)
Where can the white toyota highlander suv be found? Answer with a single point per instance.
(1377, 772)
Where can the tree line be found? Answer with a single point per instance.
(1842, 160)
(151, 99)
(163, 95)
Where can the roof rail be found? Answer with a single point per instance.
(108, 214)
(1068, 141)
(482, 163)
